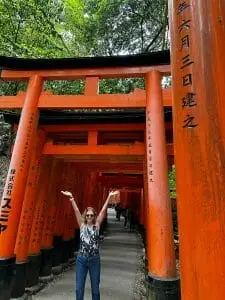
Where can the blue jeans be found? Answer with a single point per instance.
(83, 265)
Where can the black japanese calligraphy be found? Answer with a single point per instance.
(3, 227)
(185, 42)
(182, 6)
(7, 203)
(189, 100)
(185, 25)
(186, 61)
(189, 122)
(187, 79)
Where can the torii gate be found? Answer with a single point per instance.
(93, 141)
(198, 63)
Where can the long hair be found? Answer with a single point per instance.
(84, 215)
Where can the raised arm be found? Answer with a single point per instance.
(102, 212)
(79, 218)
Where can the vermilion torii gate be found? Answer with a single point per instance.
(198, 63)
(41, 151)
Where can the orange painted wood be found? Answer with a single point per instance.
(60, 185)
(113, 167)
(12, 200)
(91, 195)
(97, 127)
(72, 185)
(7, 102)
(29, 202)
(49, 148)
(70, 74)
(50, 213)
(119, 180)
(91, 86)
(40, 211)
(200, 156)
(66, 220)
(137, 99)
(68, 211)
(138, 149)
(161, 255)
(141, 217)
(146, 206)
(92, 137)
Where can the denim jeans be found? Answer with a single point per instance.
(83, 265)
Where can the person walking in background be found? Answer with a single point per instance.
(118, 210)
(88, 258)
(126, 216)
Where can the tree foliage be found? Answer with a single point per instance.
(172, 182)
(128, 26)
(57, 28)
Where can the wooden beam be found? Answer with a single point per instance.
(114, 150)
(109, 159)
(137, 99)
(126, 168)
(51, 149)
(91, 86)
(72, 74)
(92, 137)
(136, 181)
(90, 127)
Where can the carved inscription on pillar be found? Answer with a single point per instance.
(6, 205)
(149, 147)
(184, 29)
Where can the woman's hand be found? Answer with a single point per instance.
(69, 194)
(113, 193)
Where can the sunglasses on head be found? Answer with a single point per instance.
(91, 216)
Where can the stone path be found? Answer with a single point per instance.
(118, 268)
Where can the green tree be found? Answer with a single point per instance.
(129, 26)
(29, 28)
(172, 182)
(70, 28)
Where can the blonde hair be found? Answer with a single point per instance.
(84, 215)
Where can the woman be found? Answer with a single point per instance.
(88, 258)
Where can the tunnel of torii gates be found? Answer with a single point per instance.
(130, 150)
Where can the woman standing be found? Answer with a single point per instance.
(88, 258)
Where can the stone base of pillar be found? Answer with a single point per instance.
(46, 263)
(163, 289)
(77, 239)
(45, 279)
(65, 252)
(71, 249)
(57, 252)
(57, 270)
(7, 276)
(18, 289)
(33, 269)
(24, 297)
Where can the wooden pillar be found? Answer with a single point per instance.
(198, 64)
(14, 189)
(58, 228)
(92, 183)
(24, 230)
(49, 222)
(34, 254)
(142, 207)
(146, 208)
(161, 255)
(68, 215)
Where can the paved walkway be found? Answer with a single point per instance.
(118, 268)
